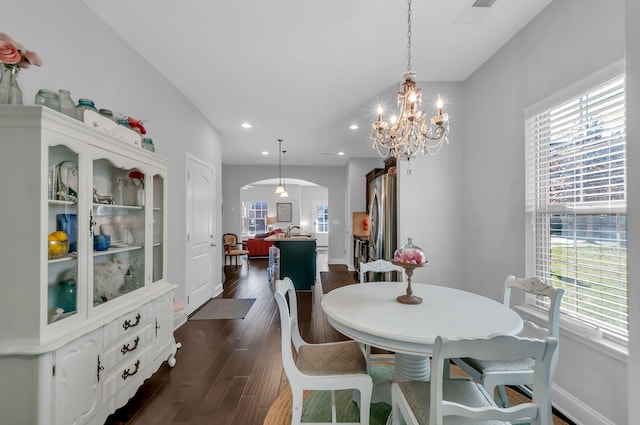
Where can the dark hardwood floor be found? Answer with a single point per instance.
(227, 371)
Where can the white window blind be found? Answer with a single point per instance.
(576, 203)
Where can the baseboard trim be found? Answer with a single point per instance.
(575, 410)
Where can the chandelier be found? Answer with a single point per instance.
(411, 133)
(280, 188)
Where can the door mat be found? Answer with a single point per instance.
(224, 308)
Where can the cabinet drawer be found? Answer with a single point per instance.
(123, 382)
(127, 348)
(128, 324)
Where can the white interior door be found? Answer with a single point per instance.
(201, 238)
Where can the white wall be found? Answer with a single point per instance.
(267, 193)
(83, 55)
(430, 203)
(568, 41)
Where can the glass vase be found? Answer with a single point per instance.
(10, 93)
(140, 197)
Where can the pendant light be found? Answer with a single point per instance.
(284, 194)
(280, 188)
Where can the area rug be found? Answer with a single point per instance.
(317, 404)
(224, 308)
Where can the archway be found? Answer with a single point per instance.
(308, 202)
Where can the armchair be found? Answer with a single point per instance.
(233, 249)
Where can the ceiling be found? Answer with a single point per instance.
(304, 70)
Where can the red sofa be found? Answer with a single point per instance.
(258, 246)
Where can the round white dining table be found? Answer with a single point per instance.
(370, 314)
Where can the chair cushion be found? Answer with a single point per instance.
(238, 252)
(459, 391)
(500, 366)
(335, 358)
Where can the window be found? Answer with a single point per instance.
(254, 217)
(576, 203)
(322, 217)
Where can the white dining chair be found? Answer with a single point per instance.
(324, 367)
(493, 373)
(451, 401)
(378, 266)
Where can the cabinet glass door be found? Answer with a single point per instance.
(117, 230)
(62, 233)
(158, 228)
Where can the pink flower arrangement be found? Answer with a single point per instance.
(13, 54)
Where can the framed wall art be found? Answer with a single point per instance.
(283, 212)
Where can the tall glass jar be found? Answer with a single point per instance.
(10, 93)
(67, 105)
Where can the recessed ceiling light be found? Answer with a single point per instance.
(264, 153)
(245, 125)
(354, 126)
(340, 153)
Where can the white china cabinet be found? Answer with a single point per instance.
(83, 322)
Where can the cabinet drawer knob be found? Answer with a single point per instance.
(125, 348)
(127, 323)
(127, 373)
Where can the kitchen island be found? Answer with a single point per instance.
(297, 259)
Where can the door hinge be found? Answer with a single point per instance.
(53, 370)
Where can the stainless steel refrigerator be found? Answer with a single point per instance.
(382, 217)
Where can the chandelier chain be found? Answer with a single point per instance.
(409, 37)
